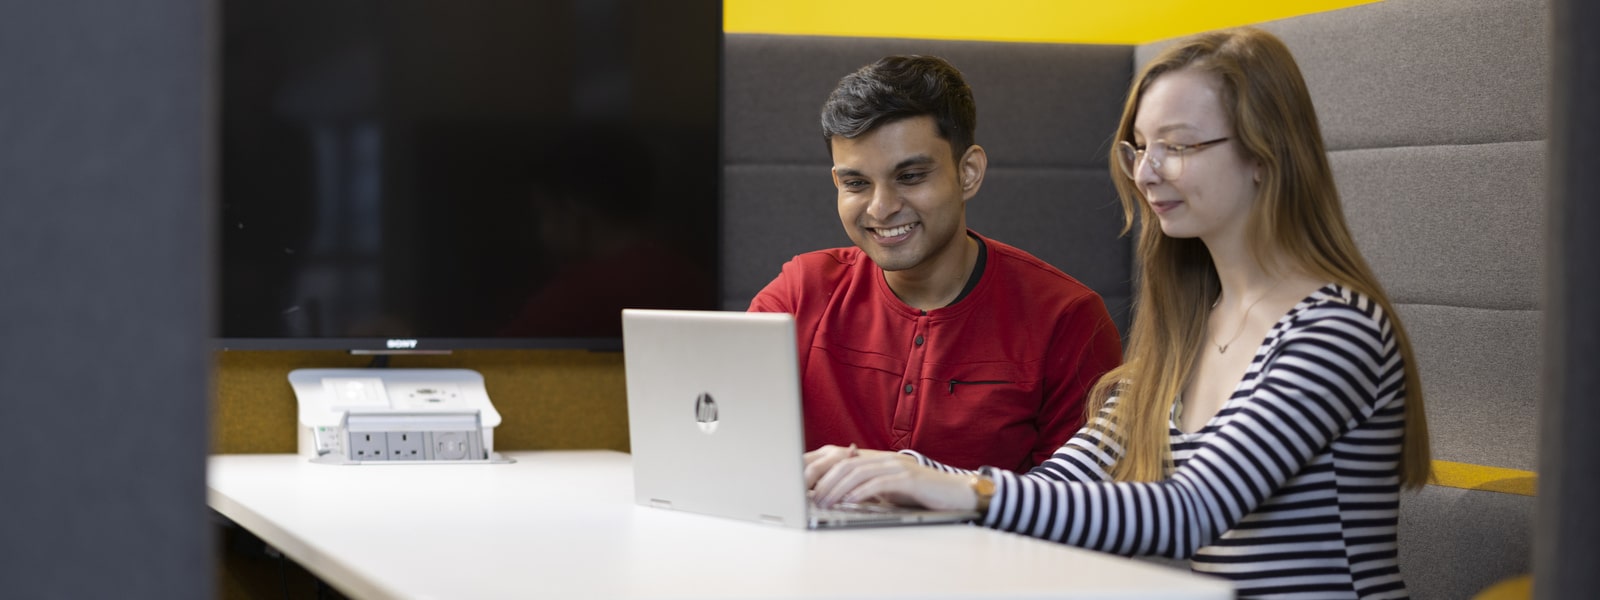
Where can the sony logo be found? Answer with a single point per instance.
(402, 344)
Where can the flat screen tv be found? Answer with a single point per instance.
(422, 175)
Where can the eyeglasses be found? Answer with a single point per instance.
(1166, 158)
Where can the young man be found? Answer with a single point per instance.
(926, 335)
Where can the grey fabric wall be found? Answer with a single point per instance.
(1434, 112)
(105, 206)
(1045, 114)
(1435, 115)
(1567, 551)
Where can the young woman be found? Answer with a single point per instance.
(1269, 411)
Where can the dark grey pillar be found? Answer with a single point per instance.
(106, 139)
(1567, 531)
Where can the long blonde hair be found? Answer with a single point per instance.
(1296, 214)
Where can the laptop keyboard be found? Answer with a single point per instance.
(845, 509)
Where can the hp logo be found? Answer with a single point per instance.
(705, 413)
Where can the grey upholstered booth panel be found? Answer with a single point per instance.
(771, 213)
(1045, 115)
(1454, 225)
(1420, 72)
(1480, 379)
(1038, 104)
(1076, 228)
(1460, 554)
(1434, 112)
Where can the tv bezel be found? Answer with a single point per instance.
(425, 345)
(420, 345)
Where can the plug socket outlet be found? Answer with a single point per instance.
(406, 437)
(369, 446)
(407, 445)
(451, 445)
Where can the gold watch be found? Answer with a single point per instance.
(983, 488)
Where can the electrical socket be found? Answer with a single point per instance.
(410, 437)
(407, 445)
(451, 445)
(369, 446)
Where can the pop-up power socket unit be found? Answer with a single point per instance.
(395, 416)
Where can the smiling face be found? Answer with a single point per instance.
(1211, 197)
(903, 195)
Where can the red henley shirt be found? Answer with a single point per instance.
(997, 378)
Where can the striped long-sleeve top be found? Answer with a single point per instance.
(1290, 491)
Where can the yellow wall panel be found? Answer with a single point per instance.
(1056, 21)
(547, 399)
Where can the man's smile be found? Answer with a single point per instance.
(889, 233)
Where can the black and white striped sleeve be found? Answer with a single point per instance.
(1333, 368)
(1088, 456)
(1080, 459)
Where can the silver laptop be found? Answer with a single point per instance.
(714, 420)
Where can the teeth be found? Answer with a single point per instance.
(897, 231)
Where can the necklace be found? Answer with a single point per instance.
(1223, 347)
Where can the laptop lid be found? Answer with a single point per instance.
(714, 413)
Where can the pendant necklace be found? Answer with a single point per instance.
(1223, 347)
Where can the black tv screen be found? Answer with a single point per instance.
(445, 174)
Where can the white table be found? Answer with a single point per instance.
(564, 525)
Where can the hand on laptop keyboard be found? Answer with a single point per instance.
(857, 507)
(820, 461)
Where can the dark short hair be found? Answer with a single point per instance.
(901, 87)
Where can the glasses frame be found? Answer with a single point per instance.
(1130, 166)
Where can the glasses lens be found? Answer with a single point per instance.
(1127, 158)
(1171, 165)
(1165, 165)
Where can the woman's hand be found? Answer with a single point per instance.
(860, 475)
(819, 461)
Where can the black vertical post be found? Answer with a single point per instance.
(1567, 530)
(106, 144)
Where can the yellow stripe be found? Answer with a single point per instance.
(1514, 588)
(1053, 21)
(1479, 477)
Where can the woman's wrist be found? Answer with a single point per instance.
(982, 491)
